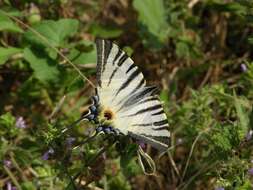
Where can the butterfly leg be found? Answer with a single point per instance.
(107, 129)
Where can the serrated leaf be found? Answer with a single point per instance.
(222, 141)
(6, 53)
(45, 69)
(242, 116)
(6, 24)
(55, 32)
(152, 14)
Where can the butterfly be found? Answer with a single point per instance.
(123, 104)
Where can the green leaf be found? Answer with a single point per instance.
(105, 31)
(55, 32)
(45, 69)
(78, 57)
(153, 16)
(6, 24)
(6, 53)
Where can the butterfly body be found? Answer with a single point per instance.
(123, 104)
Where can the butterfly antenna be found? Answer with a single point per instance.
(88, 139)
(48, 43)
(72, 125)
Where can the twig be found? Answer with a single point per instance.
(192, 3)
(17, 167)
(190, 154)
(14, 180)
(204, 168)
(57, 107)
(174, 165)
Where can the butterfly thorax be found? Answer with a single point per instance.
(106, 116)
(103, 116)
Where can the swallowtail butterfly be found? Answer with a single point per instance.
(123, 104)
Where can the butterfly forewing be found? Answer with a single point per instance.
(121, 87)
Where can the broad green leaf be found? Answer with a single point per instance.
(55, 32)
(45, 69)
(6, 24)
(6, 53)
(86, 57)
(83, 53)
(152, 15)
(105, 31)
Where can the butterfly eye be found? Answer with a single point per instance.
(108, 115)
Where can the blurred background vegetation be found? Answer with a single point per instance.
(198, 52)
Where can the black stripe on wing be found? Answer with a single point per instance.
(130, 68)
(158, 113)
(162, 122)
(117, 56)
(122, 59)
(103, 51)
(129, 80)
(138, 96)
(157, 123)
(149, 109)
(107, 49)
(120, 62)
(99, 46)
(112, 75)
(161, 128)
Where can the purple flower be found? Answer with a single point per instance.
(219, 188)
(250, 171)
(7, 163)
(70, 141)
(10, 187)
(249, 135)
(20, 123)
(142, 144)
(104, 155)
(244, 67)
(48, 153)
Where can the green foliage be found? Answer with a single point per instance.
(6, 53)
(105, 31)
(198, 52)
(55, 32)
(6, 24)
(44, 69)
(152, 16)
